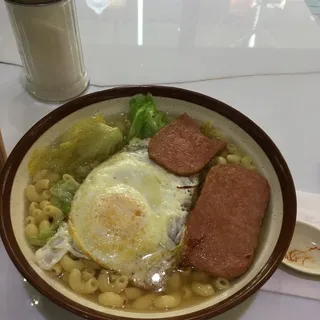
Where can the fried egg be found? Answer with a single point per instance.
(129, 213)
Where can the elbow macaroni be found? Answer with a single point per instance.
(34, 196)
(44, 203)
(121, 282)
(69, 264)
(104, 283)
(133, 293)
(112, 277)
(202, 289)
(43, 225)
(88, 273)
(80, 286)
(233, 158)
(220, 160)
(56, 269)
(33, 206)
(52, 211)
(232, 149)
(39, 215)
(118, 285)
(144, 302)
(167, 301)
(111, 299)
(31, 230)
(42, 174)
(42, 185)
(46, 174)
(221, 284)
(30, 220)
(247, 161)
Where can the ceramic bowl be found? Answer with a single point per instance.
(278, 224)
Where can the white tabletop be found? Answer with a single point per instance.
(285, 106)
(170, 41)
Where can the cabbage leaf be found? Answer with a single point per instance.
(86, 142)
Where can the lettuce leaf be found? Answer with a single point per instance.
(44, 235)
(63, 193)
(146, 119)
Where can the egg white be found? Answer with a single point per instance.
(128, 213)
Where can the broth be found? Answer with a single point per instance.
(186, 277)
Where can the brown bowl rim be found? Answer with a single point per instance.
(263, 140)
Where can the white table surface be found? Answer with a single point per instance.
(148, 41)
(285, 106)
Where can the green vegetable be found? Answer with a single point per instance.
(138, 101)
(63, 193)
(145, 119)
(87, 141)
(44, 235)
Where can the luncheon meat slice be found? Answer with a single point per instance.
(222, 231)
(181, 148)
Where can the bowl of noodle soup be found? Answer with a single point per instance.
(52, 194)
